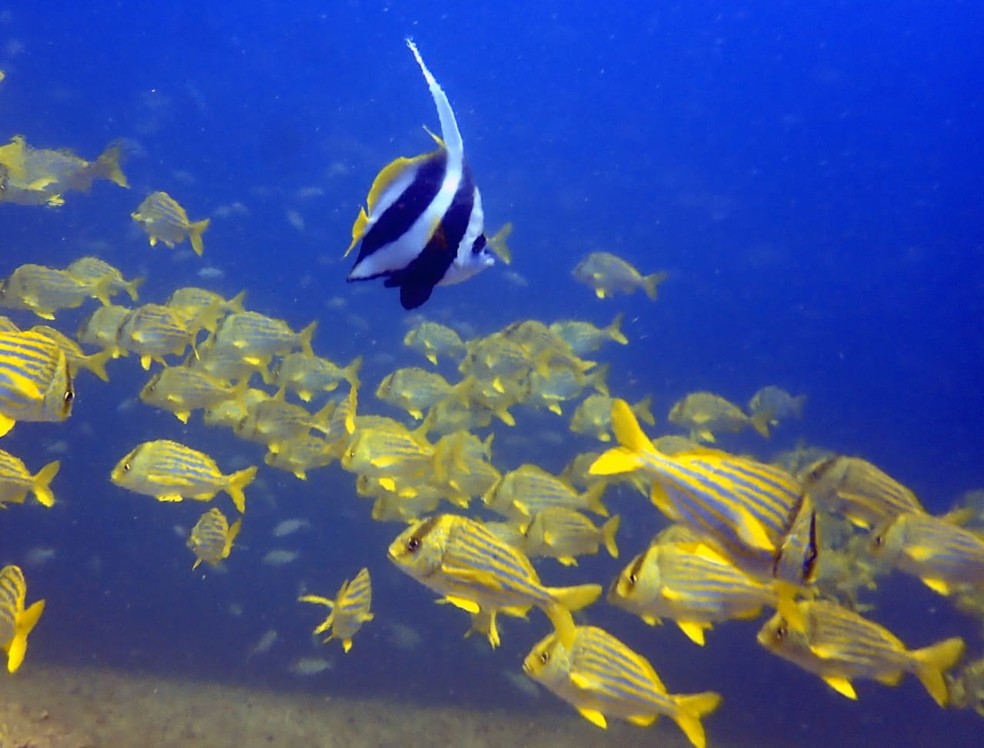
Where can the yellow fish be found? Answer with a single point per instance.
(858, 491)
(16, 481)
(170, 471)
(608, 274)
(154, 331)
(205, 308)
(181, 390)
(475, 570)
(599, 675)
(940, 553)
(349, 609)
(211, 538)
(385, 451)
(839, 645)
(777, 403)
(300, 454)
(593, 416)
(259, 338)
(434, 341)
(165, 220)
(413, 389)
(76, 357)
(16, 622)
(35, 381)
(690, 584)
(102, 329)
(306, 374)
(705, 413)
(45, 290)
(563, 533)
(274, 421)
(585, 338)
(103, 279)
(529, 489)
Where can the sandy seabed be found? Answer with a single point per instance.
(53, 707)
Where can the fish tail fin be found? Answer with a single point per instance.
(690, 709)
(575, 598)
(96, 363)
(608, 531)
(235, 304)
(614, 330)
(598, 379)
(563, 623)
(351, 372)
(651, 284)
(497, 243)
(760, 422)
(237, 482)
(304, 337)
(933, 661)
(40, 483)
(592, 498)
(17, 648)
(108, 166)
(133, 286)
(633, 443)
(195, 231)
(233, 534)
(643, 410)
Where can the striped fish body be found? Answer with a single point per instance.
(305, 374)
(564, 534)
(527, 490)
(599, 675)
(16, 622)
(170, 471)
(102, 328)
(476, 570)
(941, 554)
(103, 281)
(300, 454)
(166, 221)
(434, 341)
(181, 390)
(840, 645)
(273, 421)
(42, 290)
(857, 490)
(349, 610)
(205, 308)
(154, 331)
(384, 451)
(260, 338)
(35, 381)
(745, 509)
(212, 537)
(690, 584)
(423, 225)
(7, 324)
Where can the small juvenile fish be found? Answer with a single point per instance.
(16, 481)
(16, 622)
(839, 645)
(165, 220)
(599, 675)
(309, 665)
(349, 609)
(608, 274)
(280, 557)
(289, 527)
(170, 471)
(264, 644)
(212, 537)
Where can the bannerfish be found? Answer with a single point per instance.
(423, 225)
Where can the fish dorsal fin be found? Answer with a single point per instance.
(388, 175)
(449, 126)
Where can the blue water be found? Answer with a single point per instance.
(808, 175)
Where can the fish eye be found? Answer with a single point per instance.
(69, 396)
(781, 632)
(126, 467)
(544, 657)
(878, 540)
(413, 544)
(633, 578)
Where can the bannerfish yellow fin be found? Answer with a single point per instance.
(841, 685)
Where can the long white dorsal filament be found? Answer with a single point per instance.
(449, 126)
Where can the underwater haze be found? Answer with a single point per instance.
(808, 175)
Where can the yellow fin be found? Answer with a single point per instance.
(594, 717)
(642, 720)
(937, 585)
(841, 685)
(935, 660)
(694, 631)
(462, 602)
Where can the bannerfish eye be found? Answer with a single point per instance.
(479, 245)
(413, 544)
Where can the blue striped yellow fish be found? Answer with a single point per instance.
(212, 537)
(35, 381)
(938, 552)
(745, 509)
(45, 290)
(599, 675)
(423, 224)
(839, 645)
(16, 622)
(477, 571)
(349, 609)
(16, 481)
(170, 471)
(154, 331)
(166, 221)
(690, 584)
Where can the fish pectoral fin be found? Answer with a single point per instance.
(841, 685)
(465, 604)
(317, 599)
(938, 586)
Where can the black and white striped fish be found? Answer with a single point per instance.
(424, 224)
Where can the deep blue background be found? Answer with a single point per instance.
(808, 174)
